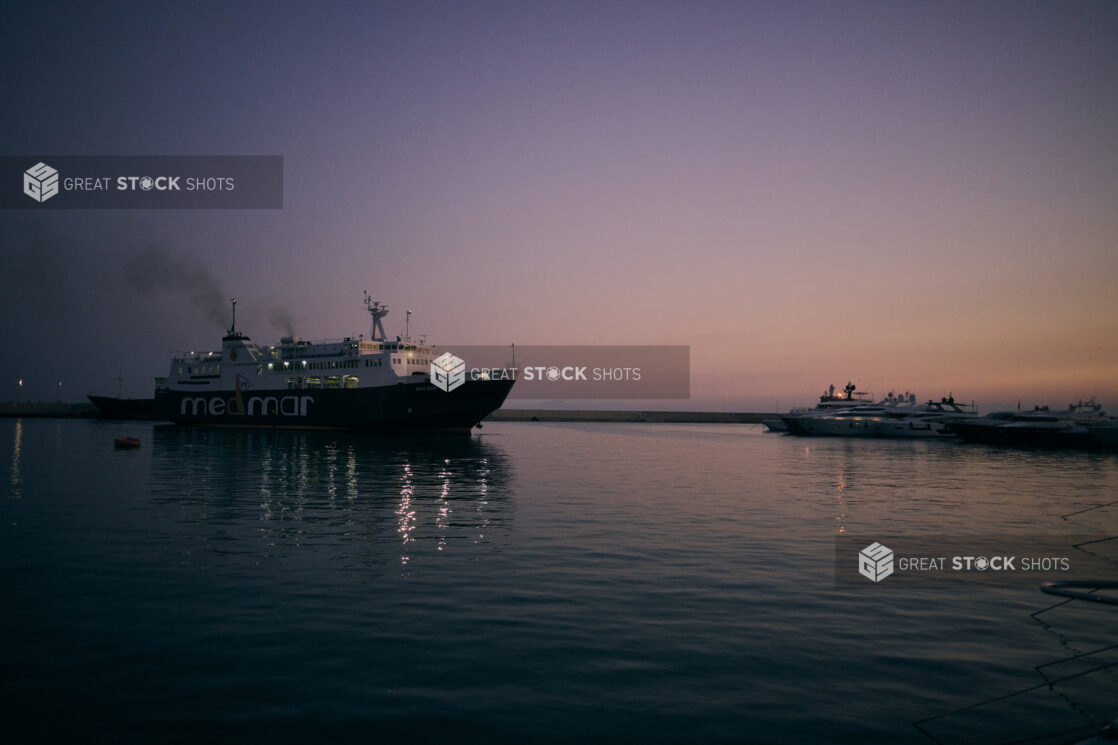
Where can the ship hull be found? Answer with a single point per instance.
(820, 427)
(403, 406)
(123, 408)
(794, 426)
(1066, 437)
(1105, 436)
(918, 429)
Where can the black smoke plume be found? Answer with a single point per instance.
(283, 321)
(158, 271)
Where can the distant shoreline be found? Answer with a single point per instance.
(46, 409)
(590, 415)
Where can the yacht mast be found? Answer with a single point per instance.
(377, 311)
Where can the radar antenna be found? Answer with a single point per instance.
(377, 311)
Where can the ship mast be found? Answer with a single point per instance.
(233, 334)
(377, 311)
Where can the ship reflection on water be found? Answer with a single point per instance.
(17, 447)
(371, 500)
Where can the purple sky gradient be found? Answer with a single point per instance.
(909, 195)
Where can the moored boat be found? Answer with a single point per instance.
(119, 407)
(111, 407)
(1039, 428)
(1104, 435)
(894, 417)
(829, 402)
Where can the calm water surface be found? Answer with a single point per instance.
(536, 583)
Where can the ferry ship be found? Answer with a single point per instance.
(358, 384)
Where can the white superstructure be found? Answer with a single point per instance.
(894, 416)
(295, 364)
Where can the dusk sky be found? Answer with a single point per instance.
(916, 196)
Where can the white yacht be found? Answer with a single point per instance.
(895, 416)
(829, 402)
